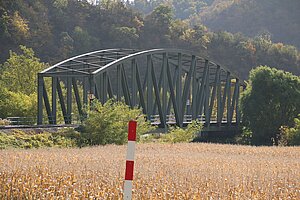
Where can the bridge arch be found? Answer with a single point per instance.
(171, 86)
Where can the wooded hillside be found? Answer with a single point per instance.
(279, 19)
(58, 29)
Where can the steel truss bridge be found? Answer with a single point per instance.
(171, 86)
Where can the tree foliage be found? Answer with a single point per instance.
(107, 123)
(19, 72)
(52, 30)
(254, 17)
(290, 136)
(177, 134)
(17, 104)
(18, 84)
(270, 101)
(28, 140)
(250, 17)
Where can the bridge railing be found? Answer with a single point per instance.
(76, 119)
(187, 119)
(21, 120)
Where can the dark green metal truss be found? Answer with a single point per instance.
(171, 86)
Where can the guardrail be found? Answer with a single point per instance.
(76, 119)
(187, 119)
(21, 120)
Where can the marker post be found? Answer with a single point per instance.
(130, 160)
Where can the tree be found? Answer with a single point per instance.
(270, 101)
(17, 104)
(83, 41)
(19, 72)
(107, 123)
(125, 36)
(67, 45)
(290, 136)
(157, 27)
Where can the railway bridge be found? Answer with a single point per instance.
(171, 86)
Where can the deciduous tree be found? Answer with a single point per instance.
(19, 72)
(271, 100)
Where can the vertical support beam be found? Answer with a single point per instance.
(133, 83)
(62, 102)
(164, 89)
(149, 88)
(179, 82)
(145, 79)
(119, 84)
(219, 102)
(85, 91)
(104, 97)
(125, 87)
(69, 100)
(92, 90)
(173, 81)
(237, 109)
(172, 94)
(159, 89)
(110, 88)
(47, 103)
(54, 86)
(227, 85)
(213, 95)
(234, 99)
(194, 96)
(77, 97)
(187, 84)
(140, 90)
(100, 88)
(157, 95)
(40, 99)
(229, 103)
(179, 88)
(98, 84)
(201, 93)
(206, 99)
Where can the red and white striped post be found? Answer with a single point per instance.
(130, 160)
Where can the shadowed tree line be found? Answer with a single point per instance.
(58, 29)
(279, 19)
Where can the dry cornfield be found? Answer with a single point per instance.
(162, 171)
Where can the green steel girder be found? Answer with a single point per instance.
(189, 86)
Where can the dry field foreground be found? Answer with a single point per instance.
(163, 171)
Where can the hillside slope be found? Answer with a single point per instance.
(280, 19)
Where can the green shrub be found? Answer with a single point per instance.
(176, 135)
(17, 104)
(20, 139)
(290, 136)
(107, 123)
(244, 138)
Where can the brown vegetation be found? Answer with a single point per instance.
(163, 171)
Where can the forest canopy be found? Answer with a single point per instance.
(58, 29)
